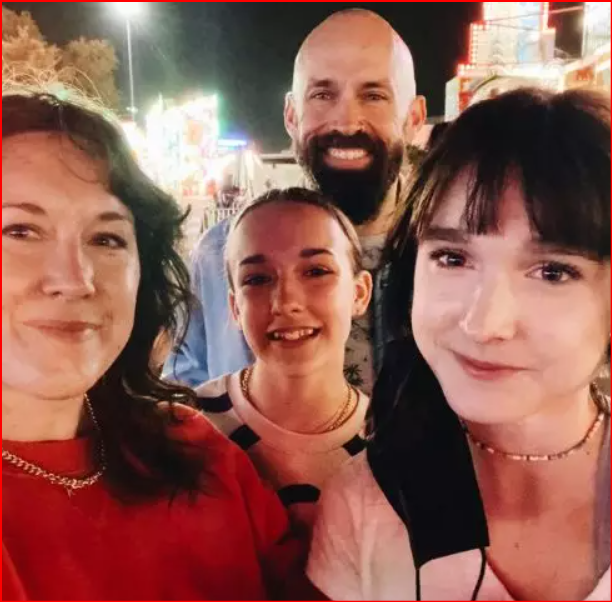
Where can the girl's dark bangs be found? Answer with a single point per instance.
(565, 181)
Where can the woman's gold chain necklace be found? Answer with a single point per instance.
(70, 484)
(338, 419)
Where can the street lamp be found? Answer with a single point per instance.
(129, 10)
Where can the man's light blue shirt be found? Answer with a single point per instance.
(213, 344)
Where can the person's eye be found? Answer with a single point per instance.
(318, 272)
(26, 232)
(375, 97)
(255, 280)
(555, 272)
(448, 259)
(321, 95)
(109, 240)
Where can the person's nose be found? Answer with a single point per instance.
(492, 311)
(287, 296)
(68, 271)
(347, 116)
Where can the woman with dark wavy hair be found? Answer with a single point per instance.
(488, 471)
(113, 488)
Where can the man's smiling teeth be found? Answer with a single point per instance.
(291, 335)
(348, 154)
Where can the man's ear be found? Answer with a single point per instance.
(363, 293)
(417, 116)
(290, 116)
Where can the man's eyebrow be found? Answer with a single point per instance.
(320, 83)
(376, 85)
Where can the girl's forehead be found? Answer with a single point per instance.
(452, 210)
(287, 211)
(282, 225)
(281, 232)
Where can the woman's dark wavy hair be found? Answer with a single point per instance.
(557, 146)
(143, 459)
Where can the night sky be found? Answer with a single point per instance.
(245, 51)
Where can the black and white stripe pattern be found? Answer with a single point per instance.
(297, 466)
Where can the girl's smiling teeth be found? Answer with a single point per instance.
(292, 334)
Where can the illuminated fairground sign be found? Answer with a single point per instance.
(513, 46)
(182, 142)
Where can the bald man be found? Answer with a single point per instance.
(351, 113)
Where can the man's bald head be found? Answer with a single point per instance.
(357, 31)
(353, 110)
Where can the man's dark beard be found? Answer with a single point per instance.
(358, 193)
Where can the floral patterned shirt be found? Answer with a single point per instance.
(359, 363)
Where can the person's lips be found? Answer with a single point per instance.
(291, 335)
(486, 370)
(347, 158)
(65, 329)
